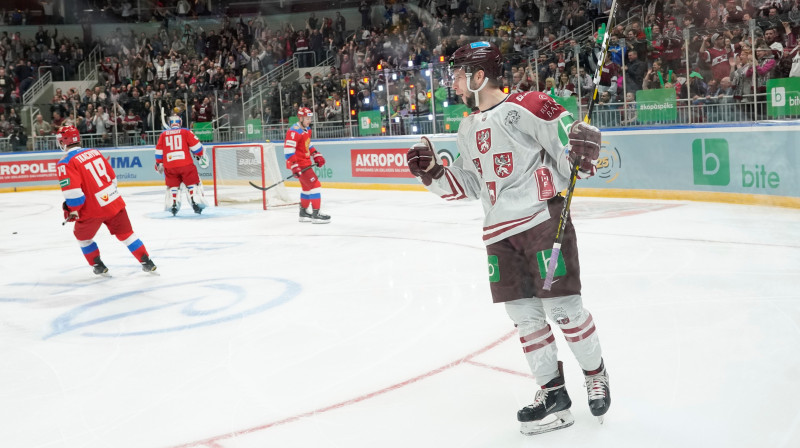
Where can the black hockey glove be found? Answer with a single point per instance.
(584, 143)
(422, 162)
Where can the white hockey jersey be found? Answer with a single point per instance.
(513, 158)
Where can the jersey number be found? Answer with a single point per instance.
(175, 142)
(98, 170)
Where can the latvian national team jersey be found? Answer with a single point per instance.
(176, 147)
(89, 184)
(297, 148)
(513, 158)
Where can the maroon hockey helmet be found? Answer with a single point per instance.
(478, 56)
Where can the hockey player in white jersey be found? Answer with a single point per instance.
(515, 156)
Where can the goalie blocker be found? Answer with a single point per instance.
(235, 167)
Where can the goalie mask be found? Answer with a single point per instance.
(175, 122)
(67, 136)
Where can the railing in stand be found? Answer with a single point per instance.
(37, 87)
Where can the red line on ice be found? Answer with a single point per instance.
(212, 441)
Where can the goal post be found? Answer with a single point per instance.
(235, 166)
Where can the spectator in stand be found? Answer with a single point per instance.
(673, 43)
(203, 112)
(132, 125)
(565, 88)
(41, 128)
(7, 86)
(57, 121)
(18, 140)
(634, 72)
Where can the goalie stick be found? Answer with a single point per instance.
(282, 180)
(562, 223)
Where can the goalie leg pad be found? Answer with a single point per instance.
(172, 197)
(197, 195)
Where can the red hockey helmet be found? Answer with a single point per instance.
(304, 112)
(478, 56)
(67, 136)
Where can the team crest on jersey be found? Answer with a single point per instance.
(477, 163)
(492, 187)
(511, 118)
(503, 164)
(484, 140)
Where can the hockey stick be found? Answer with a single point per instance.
(562, 223)
(282, 180)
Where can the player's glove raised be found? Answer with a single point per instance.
(318, 159)
(160, 168)
(584, 143)
(422, 162)
(69, 215)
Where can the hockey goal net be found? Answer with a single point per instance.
(235, 166)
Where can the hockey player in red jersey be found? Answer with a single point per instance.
(516, 153)
(92, 199)
(174, 151)
(300, 155)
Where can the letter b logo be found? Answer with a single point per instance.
(710, 161)
(778, 96)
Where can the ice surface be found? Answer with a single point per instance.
(377, 330)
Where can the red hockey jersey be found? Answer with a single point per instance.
(89, 184)
(297, 147)
(176, 147)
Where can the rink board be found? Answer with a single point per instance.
(747, 164)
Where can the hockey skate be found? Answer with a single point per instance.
(174, 208)
(597, 387)
(197, 209)
(550, 409)
(147, 264)
(319, 218)
(304, 215)
(99, 267)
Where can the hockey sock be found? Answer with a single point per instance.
(134, 244)
(90, 250)
(312, 197)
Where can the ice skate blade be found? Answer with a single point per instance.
(552, 422)
(600, 419)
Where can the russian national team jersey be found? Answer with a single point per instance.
(89, 184)
(176, 147)
(513, 158)
(297, 147)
